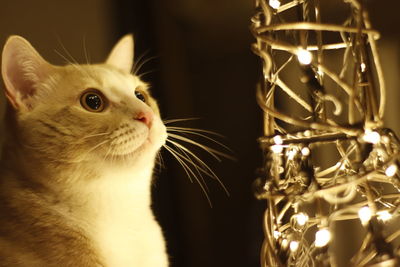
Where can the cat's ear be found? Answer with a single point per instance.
(22, 69)
(121, 55)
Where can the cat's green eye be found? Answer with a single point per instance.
(93, 101)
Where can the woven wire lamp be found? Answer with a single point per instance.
(327, 156)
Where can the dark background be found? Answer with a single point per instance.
(202, 67)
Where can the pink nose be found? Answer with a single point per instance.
(145, 117)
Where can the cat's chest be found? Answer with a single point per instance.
(127, 240)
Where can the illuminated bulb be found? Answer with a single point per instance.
(294, 245)
(305, 151)
(384, 215)
(278, 140)
(363, 67)
(277, 149)
(277, 234)
(391, 170)
(301, 219)
(304, 56)
(284, 243)
(291, 154)
(365, 214)
(322, 237)
(275, 4)
(371, 137)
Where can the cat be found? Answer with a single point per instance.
(77, 162)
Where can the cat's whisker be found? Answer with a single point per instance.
(94, 135)
(191, 130)
(85, 52)
(207, 170)
(141, 64)
(211, 151)
(138, 61)
(179, 120)
(189, 172)
(199, 132)
(95, 147)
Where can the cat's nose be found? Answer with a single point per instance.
(145, 117)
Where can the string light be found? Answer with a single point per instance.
(365, 215)
(371, 137)
(275, 4)
(391, 170)
(294, 245)
(384, 215)
(304, 56)
(336, 162)
(322, 237)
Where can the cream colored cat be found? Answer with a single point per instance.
(77, 163)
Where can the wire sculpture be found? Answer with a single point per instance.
(327, 156)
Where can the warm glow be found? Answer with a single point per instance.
(275, 4)
(285, 243)
(301, 218)
(277, 149)
(305, 151)
(371, 137)
(304, 56)
(277, 234)
(294, 245)
(384, 215)
(363, 67)
(391, 170)
(365, 214)
(322, 237)
(278, 140)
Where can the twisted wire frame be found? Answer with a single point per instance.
(327, 156)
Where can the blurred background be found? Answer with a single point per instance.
(200, 66)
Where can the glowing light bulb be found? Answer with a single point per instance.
(391, 170)
(294, 245)
(275, 4)
(322, 237)
(278, 140)
(285, 243)
(371, 137)
(291, 154)
(304, 56)
(305, 151)
(384, 215)
(277, 234)
(301, 218)
(277, 149)
(363, 67)
(365, 214)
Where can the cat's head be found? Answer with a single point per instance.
(81, 113)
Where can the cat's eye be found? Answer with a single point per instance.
(140, 96)
(93, 101)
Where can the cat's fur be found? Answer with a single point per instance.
(75, 184)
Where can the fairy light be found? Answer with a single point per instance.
(301, 218)
(278, 140)
(275, 4)
(277, 234)
(304, 56)
(372, 137)
(322, 237)
(294, 245)
(363, 67)
(384, 215)
(365, 215)
(305, 151)
(391, 170)
(277, 149)
(296, 173)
